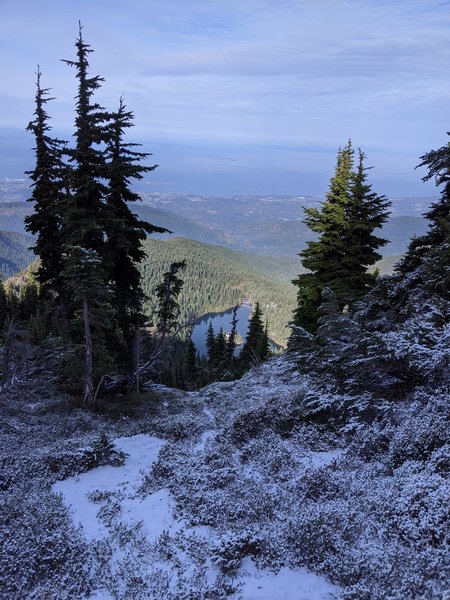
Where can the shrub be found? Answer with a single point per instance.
(67, 464)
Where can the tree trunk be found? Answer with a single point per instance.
(88, 398)
(137, 357)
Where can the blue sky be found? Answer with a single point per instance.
(242, 96)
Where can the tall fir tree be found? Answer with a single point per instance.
(231, 342)
(366, 212)
(253, 350)
(323, 257)
(221, 354)
(191, 363)
(85, 210)
(210, 344)
(82, 212)
(438, 234)
(346, 244)
(124, 231)
(167, 292)
(263, 348)
(49, 196)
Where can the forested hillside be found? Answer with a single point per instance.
(12, 215)
(15, 253)
(216, 279)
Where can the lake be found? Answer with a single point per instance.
(219, 320)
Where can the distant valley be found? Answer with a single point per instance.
(235, 247)
(267, 225)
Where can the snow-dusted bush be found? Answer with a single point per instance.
(66, 464)
(282, 415)
(177, 427)
(228, 553)
(41, 553)
(424, 428)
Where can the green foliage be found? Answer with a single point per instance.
(438, 234)
(231, 342)
(191, 362)
(88, 240)
(215, 279)
(167, 293)
(124, 230)
(15, 254)
(28, 297)
(256, 347)
(49, 196)
(210, 344)
(346, 246)
(85, 280)
(21, 301)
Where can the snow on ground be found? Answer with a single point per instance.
(315, 460)
(206, 435)
(287, 584)
(154, 512)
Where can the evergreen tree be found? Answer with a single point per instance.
(87, 237)
(263, 348)
(28, 297)
(124, 231)
(324, 256)
(220, 349)
(191, 363)
(37, 325)
(85, 211)
(49, 195)
(366, 212)
(438, 234)
(167, 293)
(231, 343)
(12, 300)
(254, 343)
(93, 326)
(346, 246)
(3, 304)
(210, 344)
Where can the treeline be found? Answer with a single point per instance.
(87, 293)
(20, 304)
(371, 340)
(87, 238)
(216, 279)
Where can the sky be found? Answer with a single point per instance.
(241, 96)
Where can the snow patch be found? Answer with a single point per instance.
(142, 451)
(315, 460)
(286, 584)
(154, 514)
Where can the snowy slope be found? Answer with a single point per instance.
(108, 503)
(234, 491)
